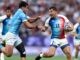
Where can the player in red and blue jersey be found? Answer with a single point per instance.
(57, 24)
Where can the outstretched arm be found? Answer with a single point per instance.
(29, 25)
(45, 26)
(32, 20)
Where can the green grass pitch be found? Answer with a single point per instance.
(33, 58)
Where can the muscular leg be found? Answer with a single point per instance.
(48, 54)
(7, 50)
(21, 50)
(67, 52)
(77, 51)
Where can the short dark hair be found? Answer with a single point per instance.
(23, 4)
(8, 8)
(54, 8)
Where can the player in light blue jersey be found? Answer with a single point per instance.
(76, 34)
(57, 24)
(6, 25)
(12, 39)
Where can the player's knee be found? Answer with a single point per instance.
(8, 55)
(68, 54)
(50, 54)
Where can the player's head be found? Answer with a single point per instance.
(53, 11)
(24, 6)
(8, 11)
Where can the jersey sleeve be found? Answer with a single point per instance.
(47, 21)
(24, 17)
(2, 18)
(75, 27)
(65, 18)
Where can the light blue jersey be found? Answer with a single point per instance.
(78, 32)
(18, 18)
(6, 25)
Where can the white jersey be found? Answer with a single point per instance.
(1, 26)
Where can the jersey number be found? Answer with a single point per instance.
(57, 26)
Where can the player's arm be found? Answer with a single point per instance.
(29, 25)
(31, 20)
(73, 33)
(25, 19)
(45, 26)
(42, 28)
(2, 18)
(70, 25)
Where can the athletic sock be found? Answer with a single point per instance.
(41, 55)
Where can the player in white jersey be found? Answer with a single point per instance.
(76, 34)
(12, 38)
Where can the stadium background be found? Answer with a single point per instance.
(34, 40)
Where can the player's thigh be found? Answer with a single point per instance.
(9, 49)
(65, 46)
(52, 50)
(53, 45)
(54, 42)
(63, 43)
(76, 47)
(10, 45)
(67, 50)
(10, 41)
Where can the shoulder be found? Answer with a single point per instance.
(76, 25)
(62, 16)
(18, 12)
(48, 19)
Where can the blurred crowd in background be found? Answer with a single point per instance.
(69, 8)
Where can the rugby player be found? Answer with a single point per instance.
(57, 24)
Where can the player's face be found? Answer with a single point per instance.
(8, 13)
(25, 9)
(52, 13)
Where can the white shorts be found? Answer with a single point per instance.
(12, 39)
(76, 42)
(59, 42)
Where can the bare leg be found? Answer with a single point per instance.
(48, 54)
(77, 51)
(7, 50)
(67, 52)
